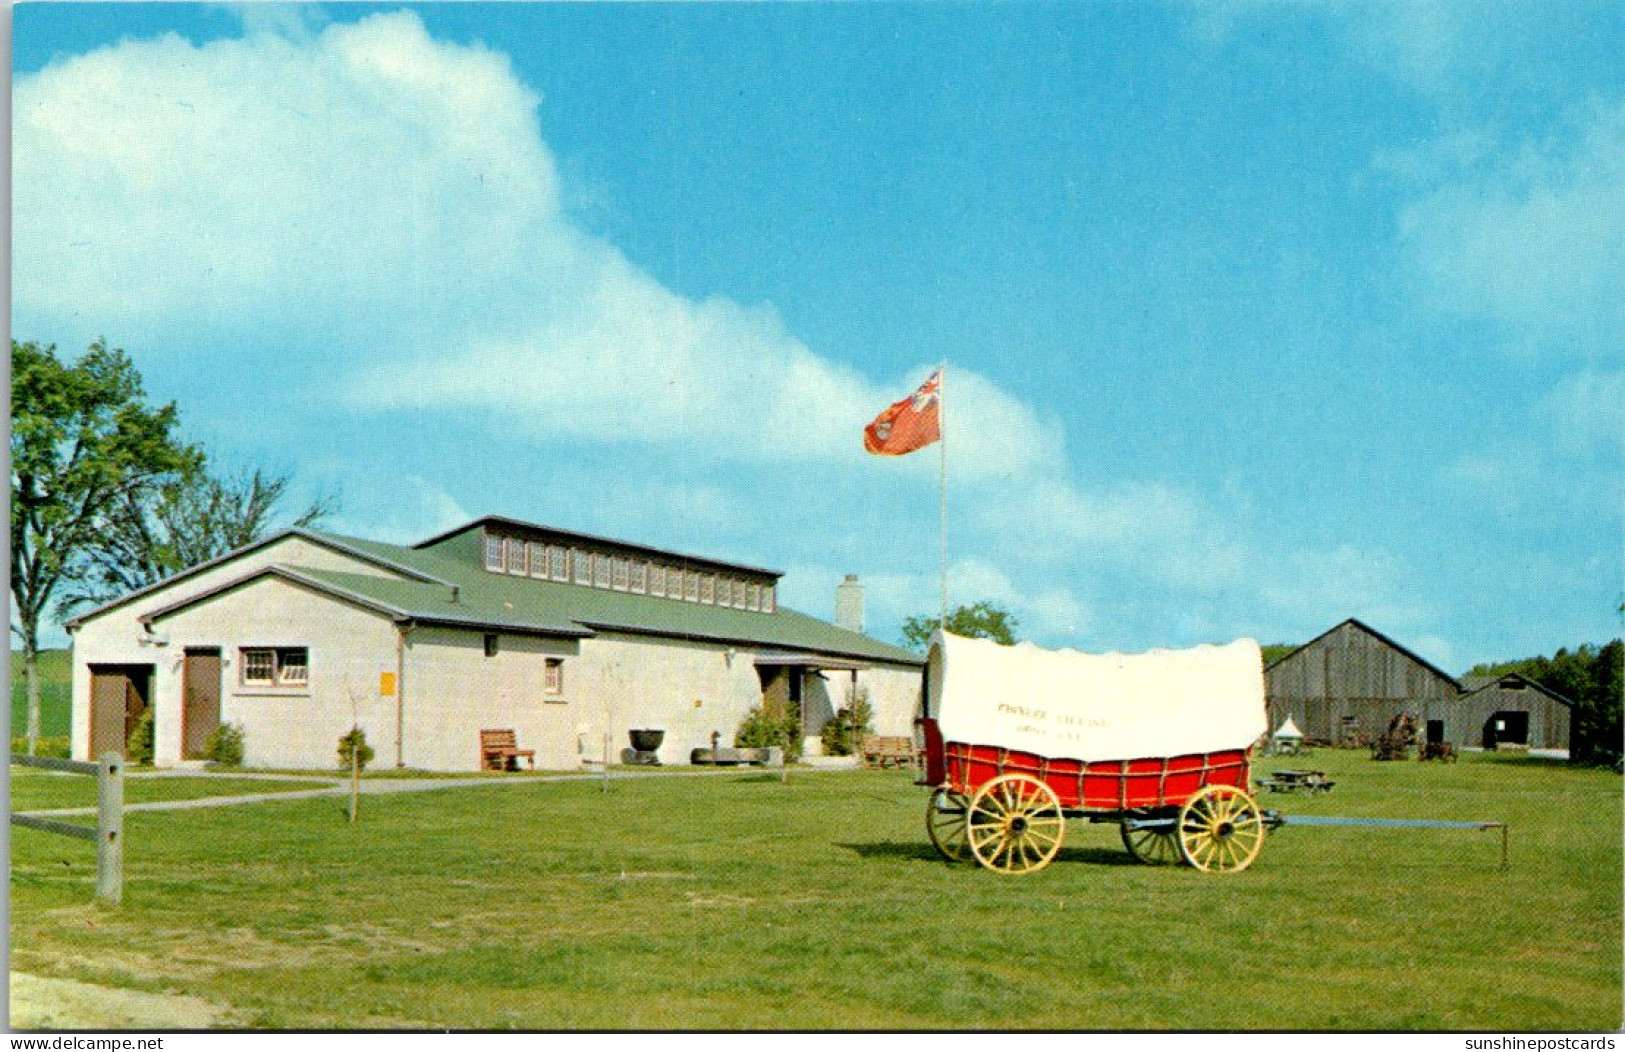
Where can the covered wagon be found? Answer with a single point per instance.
(1019, 739)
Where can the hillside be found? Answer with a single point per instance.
(54, 671)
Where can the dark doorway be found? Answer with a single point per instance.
(1506, 728)
(1435, 732)
(119, 696)
(200, 700)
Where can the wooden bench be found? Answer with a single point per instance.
(881, 751)
(500, 751)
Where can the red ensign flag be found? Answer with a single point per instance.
(907, 425)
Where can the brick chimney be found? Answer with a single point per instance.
(849, 604)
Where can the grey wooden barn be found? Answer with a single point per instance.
(1348, 683)
(1351, 681)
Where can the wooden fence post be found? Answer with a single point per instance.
(110, 828)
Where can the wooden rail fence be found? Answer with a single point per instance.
(109, 829)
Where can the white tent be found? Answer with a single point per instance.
(1287, 731)
(1064, 703)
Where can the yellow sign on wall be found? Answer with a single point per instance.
(386, 684)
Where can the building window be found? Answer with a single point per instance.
(738, 597)
(622, 574)
(558, 558)
(708, 588)
(657, 579)
(583, 561)
(538, 560)
(674, 582)
(767, 599)
(275, 666)
(493, 552)
(691, 587)
(640, 577)
(553, 681)
(754, 600)
(600, 571)
(516, 556)
(490, 644)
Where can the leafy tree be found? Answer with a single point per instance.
(980, 620)
(83, 439)
(189, 519)
(1274, 652)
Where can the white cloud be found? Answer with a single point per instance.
(370, 187)
(1557, 455)
(1309, 587)
(1445, 51)
(412, 509)
(1585, 413)
(1052, 614)
(1164, 534)
(1531, 241)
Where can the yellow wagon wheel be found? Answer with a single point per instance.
(945, 822)
(1157, 846)
(1221, 829)
(1015, 824)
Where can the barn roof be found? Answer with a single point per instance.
(366, 551)
(450, 586)
(1477, 684)
(1387, 641)
(532, 530)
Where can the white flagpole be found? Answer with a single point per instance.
(942, 442)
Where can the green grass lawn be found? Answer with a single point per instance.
(741, 902)
(37, 790)
(55, 706)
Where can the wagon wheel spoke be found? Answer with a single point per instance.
(1047, 838)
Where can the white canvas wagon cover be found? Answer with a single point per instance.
(1065, 703)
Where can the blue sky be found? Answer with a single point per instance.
(1257, 315)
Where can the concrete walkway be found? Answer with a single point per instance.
(386, 786)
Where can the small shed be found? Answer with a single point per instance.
(1511, 711)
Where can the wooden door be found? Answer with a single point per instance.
(109, 692)
(118, 700)
(200, 700)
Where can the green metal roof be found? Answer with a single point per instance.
(504, 601)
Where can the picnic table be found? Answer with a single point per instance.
(1297, 781)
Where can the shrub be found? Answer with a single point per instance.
(355, 742)
(55, 748)
(843, 733)
(768, 727)
(138, 750)
(225, 745)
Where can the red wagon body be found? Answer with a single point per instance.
(1103, 785)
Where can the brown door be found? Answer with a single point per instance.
(107, 694)
(200, 708)
(118, 698)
